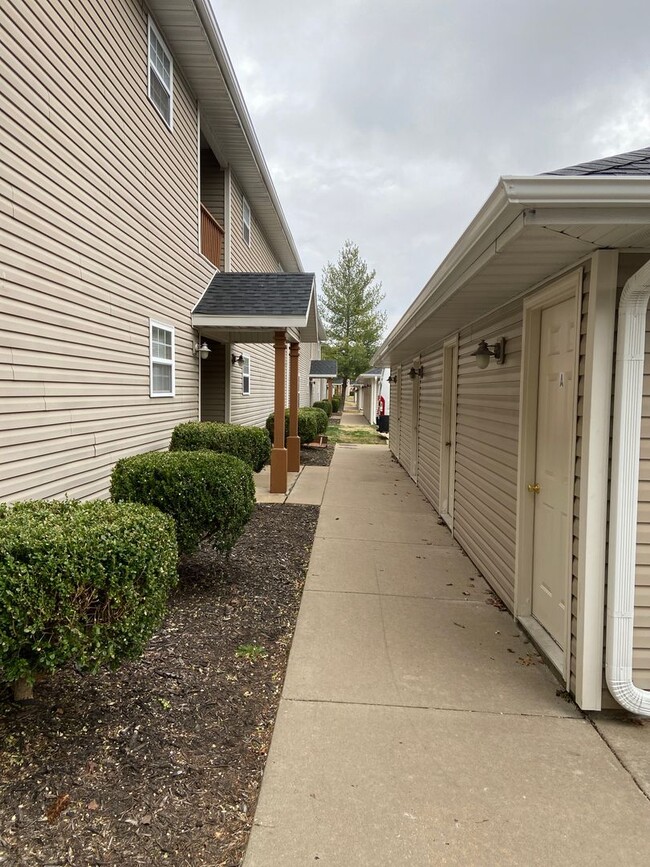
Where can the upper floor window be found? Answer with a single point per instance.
(246, 375)
(161, 360)
(246, 222)
(161, 75)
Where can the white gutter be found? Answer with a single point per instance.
(628, 393)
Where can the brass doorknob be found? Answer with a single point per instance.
(534, 489)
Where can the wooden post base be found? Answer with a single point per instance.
(278, 471)
(293, 454)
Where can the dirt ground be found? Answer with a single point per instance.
(160, 762)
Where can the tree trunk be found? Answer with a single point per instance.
(22, 689)
(344, 388)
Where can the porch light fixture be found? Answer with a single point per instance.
(416, 371)
(203, 350)
(392, 378)
(237, 359)
(485, 352)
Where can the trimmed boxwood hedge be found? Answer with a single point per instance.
(251, 444)
(336, 403)
(209, 495)
(307, 425)
(83, 582)
(321, 419)
(325, 405)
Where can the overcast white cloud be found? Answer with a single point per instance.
(389, 123)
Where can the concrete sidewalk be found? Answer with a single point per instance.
(417, 725)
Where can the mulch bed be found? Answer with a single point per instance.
(317, 456)
(160, 762)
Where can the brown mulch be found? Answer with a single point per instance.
(317, 456)
(160, 762)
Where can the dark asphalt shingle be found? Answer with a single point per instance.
(631, 163)
(323, 367)
(252, 294)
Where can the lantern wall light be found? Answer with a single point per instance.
(485, 352)
(237, 359)
(203, 350)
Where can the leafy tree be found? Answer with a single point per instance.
(350, 309)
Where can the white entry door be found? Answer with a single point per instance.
(448, 431)
(553, 484)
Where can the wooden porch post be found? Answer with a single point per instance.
(279, 452)
(293, 441)
(329, 389)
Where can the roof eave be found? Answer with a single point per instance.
(503, 215)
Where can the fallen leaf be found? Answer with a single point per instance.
(57, 808)
(92, 805)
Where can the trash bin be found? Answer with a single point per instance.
(383, 423)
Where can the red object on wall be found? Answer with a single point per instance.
(381, 406)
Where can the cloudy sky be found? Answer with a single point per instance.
(389, 123)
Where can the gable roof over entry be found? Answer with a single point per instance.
(323, 368)
(251, 307)
(530, 229)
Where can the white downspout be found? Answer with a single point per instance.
(628, 392)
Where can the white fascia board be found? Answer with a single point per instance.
(511, 202)
(232, 322)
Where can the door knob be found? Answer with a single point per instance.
(534, 489)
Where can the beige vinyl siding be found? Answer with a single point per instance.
(213, 382)
(259, 256)
(406, 418)
(99, 223)
(253, 408)
(641, 658)
(430, 421)
(487, 442)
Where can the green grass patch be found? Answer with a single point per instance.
(365, 436)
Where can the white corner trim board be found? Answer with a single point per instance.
(628, 392)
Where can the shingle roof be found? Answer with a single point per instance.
(251, 294)
(323, 367)
(631, 163)
(374, 371)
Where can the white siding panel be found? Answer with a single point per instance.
(487, 442)
(406, 418)
(430, 422)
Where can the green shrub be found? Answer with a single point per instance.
(307, 425)
(209, 495)
(83, 582)
(325, 405)
(321, 419)
(250, 444)
(336, 403)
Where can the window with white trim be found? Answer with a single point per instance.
(161, 360)
(161, 75)
(246, 375)
(246, 221)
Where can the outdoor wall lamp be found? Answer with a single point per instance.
(416, 371)
(392, 378)
(484, 353)
(237, 359)
(203, 350)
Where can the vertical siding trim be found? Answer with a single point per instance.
(592, 526)
(227, 208)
